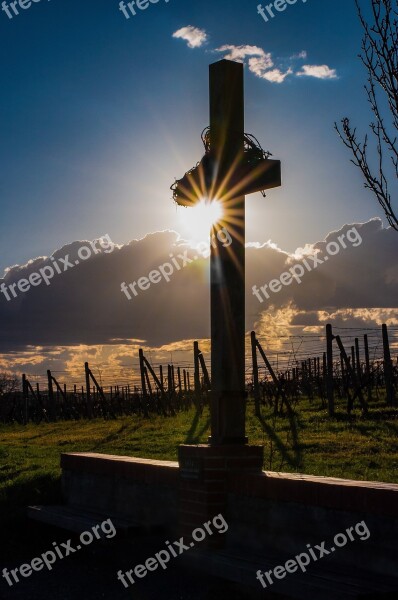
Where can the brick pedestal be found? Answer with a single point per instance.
(203, 477)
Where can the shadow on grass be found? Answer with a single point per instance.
(50, 432)
(294, 457)
(31, 489)
(373, 415)
(111, 437)
(193, 436)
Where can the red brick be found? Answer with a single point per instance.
(245, 463)
(131, 468)
(211, 462)
(219, 451)
(214, 475)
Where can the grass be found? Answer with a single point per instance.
(308, 441)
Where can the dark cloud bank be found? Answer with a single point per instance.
(85, 304)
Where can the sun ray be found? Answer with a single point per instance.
(197, 221)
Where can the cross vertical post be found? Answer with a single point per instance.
(228, 263)
(234, 166)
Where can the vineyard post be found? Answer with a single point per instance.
(353, 361)
(170, 386)
(388, 372)
(367, 367)
(329, 377)
(53, 408)
(25, 398)
(143, 384)
(173, 378)
(256, 388)
(354, 379)
(358, 359)
(343, 377)
(88, 393)
(179, 380)
(196, 372)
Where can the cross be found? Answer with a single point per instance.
(232, 167)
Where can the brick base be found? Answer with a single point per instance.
(203, 475)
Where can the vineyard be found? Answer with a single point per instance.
(341, 369)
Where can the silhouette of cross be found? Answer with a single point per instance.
(234, 165)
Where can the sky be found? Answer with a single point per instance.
(100, 113)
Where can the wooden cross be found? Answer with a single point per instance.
(228, 172)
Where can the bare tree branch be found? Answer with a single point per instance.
(379, 55)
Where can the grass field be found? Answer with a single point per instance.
(308, 442)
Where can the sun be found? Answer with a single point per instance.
(196, 221)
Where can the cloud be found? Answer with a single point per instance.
(301, 55)
(83, 315)
(356, 277)
(239, 53)
(193, 35)
(259, 62)
(85, 305)
(262, 63)
(317, 71)
(274, 75)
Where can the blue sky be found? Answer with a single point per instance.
(100, 113)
